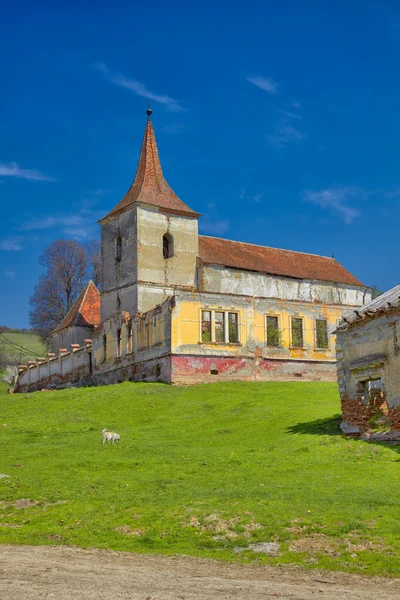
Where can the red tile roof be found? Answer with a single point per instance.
(273, 261)
(150, 186)
(85, 311)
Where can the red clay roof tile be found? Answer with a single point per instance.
(273, 261)
(150, 186)
(85, 311)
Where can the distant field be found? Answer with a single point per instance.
(203, 471)
(22, 345)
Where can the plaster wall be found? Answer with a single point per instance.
(214, 278)
(252, 313)
(119, 276)
(64, 370)
(180, 269)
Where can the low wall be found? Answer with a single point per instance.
(69, 368)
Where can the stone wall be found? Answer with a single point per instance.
(368, 372)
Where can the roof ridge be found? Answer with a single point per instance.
(270, 247)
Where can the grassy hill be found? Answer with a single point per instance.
(203, 470)
(25, 346)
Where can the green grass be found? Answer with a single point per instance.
(200, 471)
(29, 345)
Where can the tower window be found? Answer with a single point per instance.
(168, 245)
(118, 249)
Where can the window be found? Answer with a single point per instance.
(233, 328)
(118, 303)
(118, 342)
(129, 339)
(321, 333)
(297, 333)
(168, 245)
(219, 327)
(273, 331)
(205, 326)
(118, 249)
(104, 347)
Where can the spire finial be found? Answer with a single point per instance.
(149, 111)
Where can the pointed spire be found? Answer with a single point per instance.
(150, 186)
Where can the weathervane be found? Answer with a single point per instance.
(149, 111)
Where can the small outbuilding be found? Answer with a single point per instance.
(368, 368)
(80, 321)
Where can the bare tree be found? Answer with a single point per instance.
(65, 264)
(93, 252)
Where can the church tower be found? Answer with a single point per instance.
(149, 241)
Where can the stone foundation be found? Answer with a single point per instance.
(204, 369)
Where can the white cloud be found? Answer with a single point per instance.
(255, 198)
(285, 133)
(9, 274)
(13, 170)
(139, 88)
(290, 115)
(336, 201)
(10, 245)
(213, 226)
(211, 223)
(265, 83)
(80, 226)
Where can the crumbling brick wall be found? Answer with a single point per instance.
(367, 355)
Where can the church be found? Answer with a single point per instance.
(184, 308)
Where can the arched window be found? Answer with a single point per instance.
(118, 249)
(168, 245)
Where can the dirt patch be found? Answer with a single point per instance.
(21, 503)
(224, 528)
(47, 572)
(126, 530)
(25, 503)
(318, 543)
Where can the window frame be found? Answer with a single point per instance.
(300, 318)
(225, 326)
(317, 346)
(277, 317)
(168, 245)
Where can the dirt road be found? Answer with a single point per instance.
(30, 573)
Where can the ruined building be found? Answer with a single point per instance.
(180, 307)
(368, 367)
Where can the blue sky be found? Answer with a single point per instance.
(278, 121)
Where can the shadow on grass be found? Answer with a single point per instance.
(328, 426)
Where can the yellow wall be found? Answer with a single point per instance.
(186, 327)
